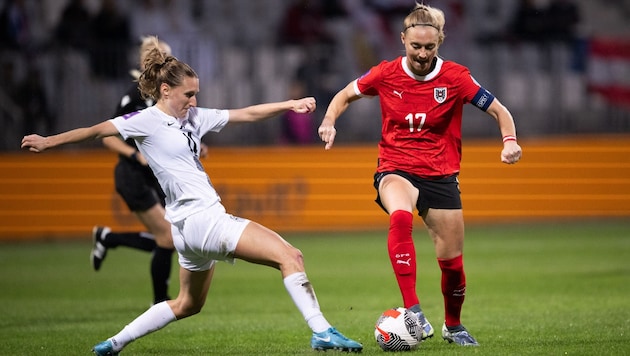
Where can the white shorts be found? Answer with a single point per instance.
(207, 236)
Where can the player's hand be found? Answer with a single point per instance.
(34, 143)
(304, 105)
(327, 133)
(511, 152)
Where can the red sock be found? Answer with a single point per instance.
(402, 254)
(453, 288)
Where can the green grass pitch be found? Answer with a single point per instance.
(533, 289)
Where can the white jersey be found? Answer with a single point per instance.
(172, 146)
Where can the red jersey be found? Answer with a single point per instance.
(421, 115)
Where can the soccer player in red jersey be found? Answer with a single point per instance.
(422, 98)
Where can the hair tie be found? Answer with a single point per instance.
(166, 61)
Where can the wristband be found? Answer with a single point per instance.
(509, 138)
(134, 156)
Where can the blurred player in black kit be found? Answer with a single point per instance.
(140, 190)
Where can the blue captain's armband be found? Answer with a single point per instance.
(483, 99)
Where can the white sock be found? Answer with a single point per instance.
(303, 295)
(155, 318)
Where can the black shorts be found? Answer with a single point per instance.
(137, 185)
(442, 193)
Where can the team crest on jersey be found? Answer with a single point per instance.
(439, 94)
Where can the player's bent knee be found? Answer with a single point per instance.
(299, 257)
(294, 260)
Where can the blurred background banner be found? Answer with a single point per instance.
(63, 193)
(609, 70)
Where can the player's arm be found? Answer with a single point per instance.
(511, 152)
(265, 111)
(338, 105)
(37, 143)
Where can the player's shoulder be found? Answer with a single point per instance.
(390, 66)
(385, 68)
(207, 116)
(455, 68)
(206, 112)
(386, 64)
(126, 118)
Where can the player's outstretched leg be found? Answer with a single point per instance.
(261, 245)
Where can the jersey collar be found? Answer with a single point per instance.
(172, 119)
(422, 78)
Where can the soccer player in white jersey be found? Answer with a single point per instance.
(422, 98)
(168, 135)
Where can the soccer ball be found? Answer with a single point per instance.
(398, 329)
